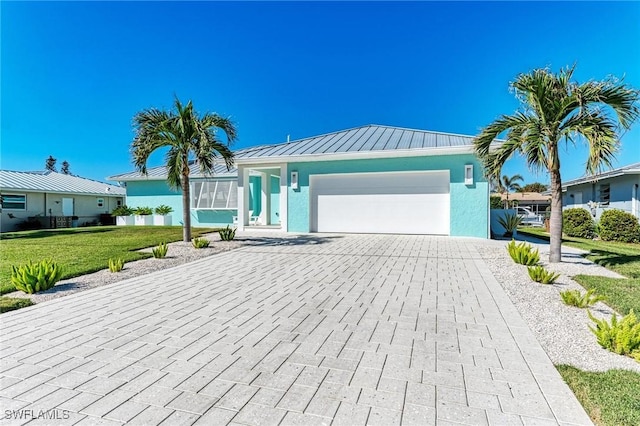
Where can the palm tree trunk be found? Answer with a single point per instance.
(186, 210)
(555, 220)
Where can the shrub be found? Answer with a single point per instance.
(621, 337)
(578, 222)
(163, 209)
(29, 224)
(200, 243)
(122, 211)
(541, 275)
(161, 251)
(34, 277)
(509, 222)
(143, 211)
(116, 265)
(495, 202)
(617, 225)
(523, 253)
(577, 299)
(227, 234)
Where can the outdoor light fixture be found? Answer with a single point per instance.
(468, 174)
(294, 180)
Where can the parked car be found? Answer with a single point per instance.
(529, 218)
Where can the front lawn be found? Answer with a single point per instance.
(610, 398)
(82, 250)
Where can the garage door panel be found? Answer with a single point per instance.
(411, 203)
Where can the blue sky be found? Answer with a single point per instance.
(74, 74)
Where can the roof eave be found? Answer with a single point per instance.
(421, 152)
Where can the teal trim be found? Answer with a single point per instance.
(275, 200)
(469, 203)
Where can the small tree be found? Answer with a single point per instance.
(65, 168)
(533, 187)
(510, 184)
(50, 164)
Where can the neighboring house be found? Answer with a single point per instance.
(534, 201)
(54, 199)
(370, 179)
(614, 189)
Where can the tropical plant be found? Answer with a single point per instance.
(227, 234)
(533, 187)
(50, 164)
(187, 135)
(122, 211)
(509, 184)
(163, 209)
(618, 225)
(116, 265)
(495, 202)
(555, 109)
(541, 275)
(523, 253)
(65, 168)
(580, 300)
(161, 251)
(200, 243)
(621, 337)
(577, 222)
(509, 222)
(143, 211)
(35, 277)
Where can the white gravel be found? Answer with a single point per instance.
(561, 330)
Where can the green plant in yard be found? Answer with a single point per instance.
(122, 211)
(509, 222)
(12, 303)
(523, 253)
(163, 209)
(200, 243)
(618, 225)
(580, 300)
(35, 277)
(578, 222)
(116, 265)
(621, 337)
(495, 202)
(161, 251)
(541, 275)
(227, 234)
(143, 211)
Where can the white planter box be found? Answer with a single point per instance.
(162, 219)
(143, 220)
(124, 220)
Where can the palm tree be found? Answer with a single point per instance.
(554, 109)
(188, 136)
(509, 184)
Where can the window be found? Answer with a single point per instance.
(214, 195)
(605, 194)
(14, 202)
(118, 202)
(100, 202)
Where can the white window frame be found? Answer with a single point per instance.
(4, 207)
(604, 187)
(212, 194)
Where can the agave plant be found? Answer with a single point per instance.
(509, 222)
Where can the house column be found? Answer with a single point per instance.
(284, 186)
(265, 204)
(243, 197)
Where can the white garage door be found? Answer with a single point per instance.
(381, 203)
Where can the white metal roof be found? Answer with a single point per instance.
(47, 181)
(631, 169)
(160, 173)
(363, 139)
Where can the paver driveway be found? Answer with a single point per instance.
(347, 329)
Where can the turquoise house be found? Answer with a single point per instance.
(370, 179)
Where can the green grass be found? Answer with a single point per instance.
(9, 304)
(623, 258)
(610, 398)
(82, 250)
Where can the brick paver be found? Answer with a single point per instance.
(342, 329)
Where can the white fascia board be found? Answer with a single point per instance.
(363, 155)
